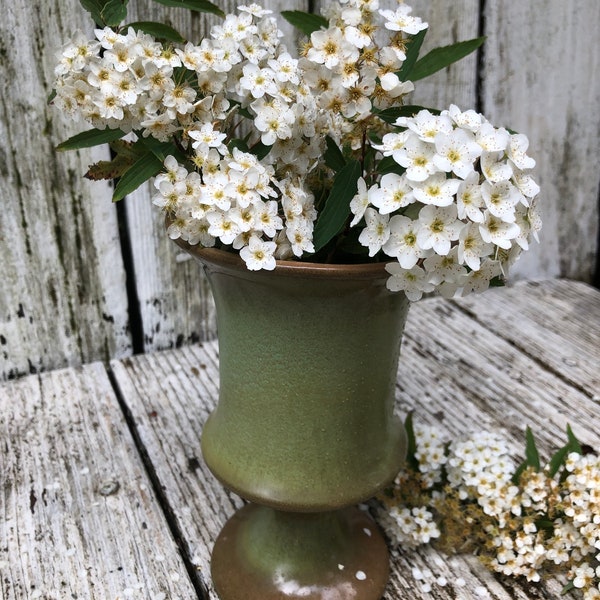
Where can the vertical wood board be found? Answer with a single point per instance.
(62, 298)
(541, 76)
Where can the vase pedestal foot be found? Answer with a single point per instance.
(265, 554)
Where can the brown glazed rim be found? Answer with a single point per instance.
(216, 259)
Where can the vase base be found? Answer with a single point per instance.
(264, 554)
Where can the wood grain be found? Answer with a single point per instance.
(541, 76)
(62, 297)
(79, 516)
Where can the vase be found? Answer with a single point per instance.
(304, 428)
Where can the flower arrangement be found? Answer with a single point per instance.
(527, 521)
(314, 157)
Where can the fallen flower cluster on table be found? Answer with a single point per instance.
(524, 520)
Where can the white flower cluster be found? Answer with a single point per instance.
(249, 123)
(263, 208)
(462, 210)
(543, 524)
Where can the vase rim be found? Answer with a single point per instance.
(290, 268)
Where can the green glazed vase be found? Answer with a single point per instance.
(304, 427)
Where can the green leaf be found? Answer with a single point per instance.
(305, 22)
(413, 48)
(570, 586)
(558, 460)
(106, 12)
(143, 169)
(532, 457)
(198, 5)
(92, 137)
(158, 30)
(574, 444)
(334, 158)
(389, 115)
(388, 165)
(517, 474)
(531, 452)
(337, 206)
(440, 58)
(411, 449)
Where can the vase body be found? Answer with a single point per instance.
(304, 424)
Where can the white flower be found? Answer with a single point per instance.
(456, 152)
(516, 152)
(376, 232)
(299, 235)
(400, 20)
(258, 254)
(492, 139)
(222, 226)
(498, 232)
(329, 48)
(402, 242)
(469, 201)
(500, 199)
(206, 137)
(438, 227)
(471, 247)
(359, 202)
(437, 189)
(285, 68)
(495, 168)
(413, 282)
(258, 81)
(393, 193)
(426, 125)
(417, 157)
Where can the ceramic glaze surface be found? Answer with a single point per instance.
(308, 363)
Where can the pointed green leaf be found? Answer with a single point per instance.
(440, 58)
(557, 460)
(574, 444)
(517, 474)
(337, 207)
(411, 449)
(157, 30)
(305, 22)
(92, 137)
(198, 5)
(334, 158)
(413, 47)
(531, 452)
(143, 169)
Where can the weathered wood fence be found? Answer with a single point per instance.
(82, 279)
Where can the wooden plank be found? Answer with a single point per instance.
(79, 516)
(168, 410)
(454, 372)
(62, 298)
(558, 323)
(541, 77)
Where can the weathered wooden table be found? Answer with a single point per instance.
(104, 495)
